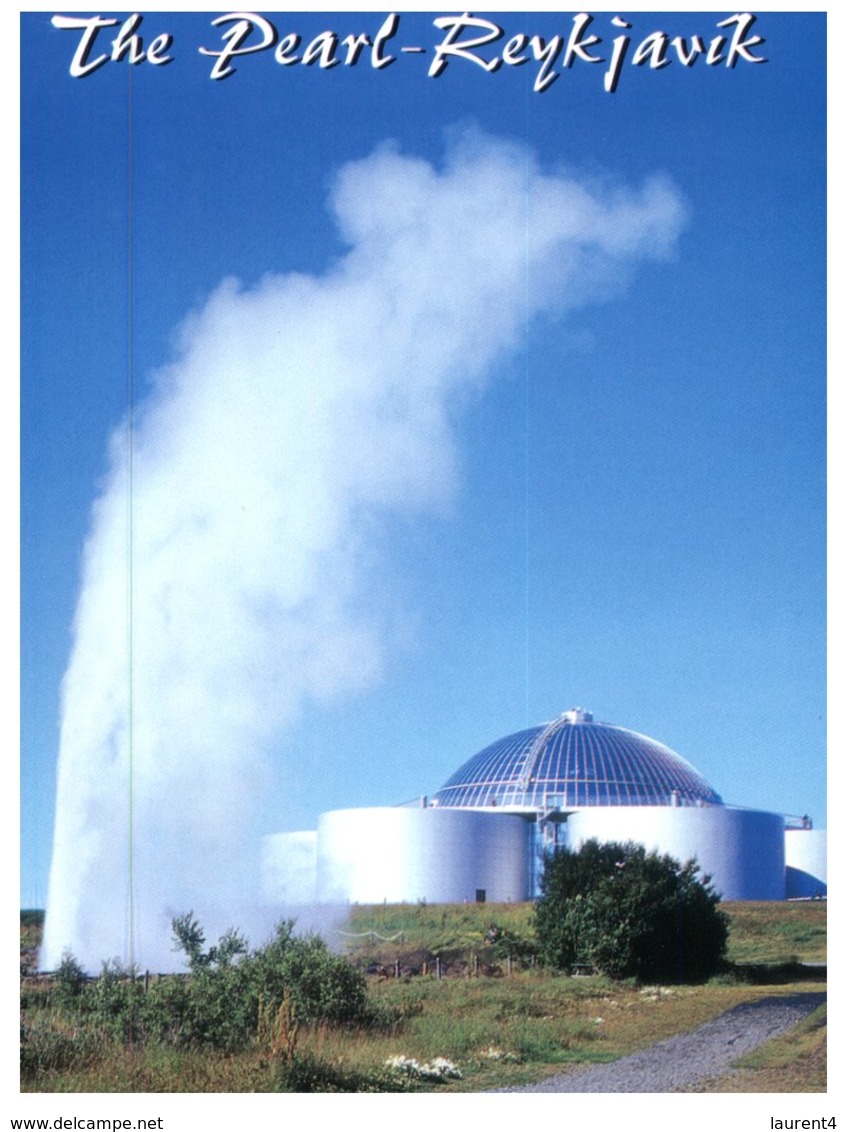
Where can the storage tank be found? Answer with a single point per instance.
(805, 863)
(403, 854)
(742, 850)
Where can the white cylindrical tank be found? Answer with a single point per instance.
(289, 868)
(742, 850)
(805, 862)
(401, 855)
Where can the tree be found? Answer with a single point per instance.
(628, 912)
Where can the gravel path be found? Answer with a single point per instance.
(677, 1062)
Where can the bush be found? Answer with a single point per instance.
(629, 913)
(231, 988)
(324, 987)
(230, 993)
(116, 1001)
(70, 982)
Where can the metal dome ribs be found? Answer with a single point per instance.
(574, 762)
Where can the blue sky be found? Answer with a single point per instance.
(635, 522)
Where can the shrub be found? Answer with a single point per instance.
(189, 937)
(324, 987)
(629, 913)
(168, 1011)
(227, 1001)
(70, 982)
(116, 1001)
(233, 991)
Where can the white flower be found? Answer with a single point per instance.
(439, 1069)
(494, 1053)
(404, 1064)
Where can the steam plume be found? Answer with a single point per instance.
(222, 583)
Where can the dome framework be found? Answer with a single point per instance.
(575, 762)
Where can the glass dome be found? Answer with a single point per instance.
(574, 762)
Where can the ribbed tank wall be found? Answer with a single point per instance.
(405, 855)
(742, 850)
(805, 862)
(288, 868)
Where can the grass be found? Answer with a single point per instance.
(498, 1030)
(437, 926)
(762, 932)
(766, 932)
(514, 1031)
